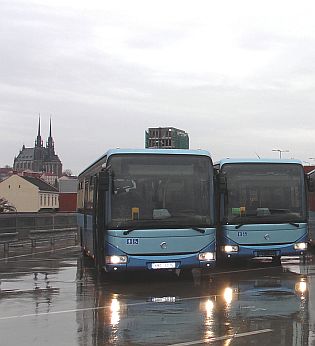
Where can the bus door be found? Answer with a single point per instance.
(102, 188)
(85, 238)
(311, 205)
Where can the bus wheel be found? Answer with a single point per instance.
(85, 253)
(276, 260)
(303, 257)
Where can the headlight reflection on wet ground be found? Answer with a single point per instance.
(301, 288)
(115, 311)
(228, 295)
(207, 306)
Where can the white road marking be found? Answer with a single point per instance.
(95, 308)
(225, 337)
(66, 311)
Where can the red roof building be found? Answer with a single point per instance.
(68, 194)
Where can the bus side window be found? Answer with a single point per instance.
(86, 193)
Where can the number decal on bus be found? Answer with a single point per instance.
(242, 234)
(132, 241)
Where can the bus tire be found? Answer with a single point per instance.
(84, 253)
(276, 260)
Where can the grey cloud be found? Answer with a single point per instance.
(98, 100)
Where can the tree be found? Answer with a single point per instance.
(5, 206)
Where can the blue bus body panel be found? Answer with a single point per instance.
(149, 241)
(86, 232)
(157, 152)
(254, 160)
(254, 239)
(141, 262)
(111, 152)
(265, 234)
(182, 261)
(144, 248)
(80, 219)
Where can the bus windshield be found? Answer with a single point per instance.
(161, 191)
(264, 193)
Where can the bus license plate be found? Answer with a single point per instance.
(167, 265)
(266, 253)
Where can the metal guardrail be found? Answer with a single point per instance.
(53, 234)
(50, 235)
(7, 238)
(23, 228)
(25, 222)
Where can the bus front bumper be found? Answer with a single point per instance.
(250, 251)
(187, 261)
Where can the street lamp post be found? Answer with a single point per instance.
(280, 152)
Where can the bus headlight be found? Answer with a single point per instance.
(206, 256)
(116, 259)
(300, 246)
(230, 248)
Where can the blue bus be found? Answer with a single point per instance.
(148, 209)
(262, 208)
(311, 177)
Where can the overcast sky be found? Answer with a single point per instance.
(238, 76)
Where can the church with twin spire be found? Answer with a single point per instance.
(40, 158)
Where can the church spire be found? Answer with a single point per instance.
(38, 141)
(50, 142)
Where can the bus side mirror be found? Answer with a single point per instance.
(222, 182)
(311, 181)
(104, 177)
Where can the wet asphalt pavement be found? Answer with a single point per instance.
(56, 298)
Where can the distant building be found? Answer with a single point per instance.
(166, 138)
(68, 194)
(50, 178)
(308, 169)
(40, 158)
(5, 172)
(29, 194)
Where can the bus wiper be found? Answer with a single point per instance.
(129, 231)
(198, 229)
(194, 228)
(294, 224)
(239, 226)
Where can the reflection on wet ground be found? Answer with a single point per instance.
(57, 298)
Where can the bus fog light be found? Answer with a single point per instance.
(116, 259)
(230, 248)
(300, 246)
(206, 256)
